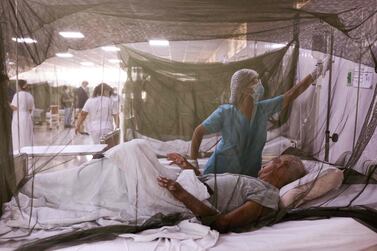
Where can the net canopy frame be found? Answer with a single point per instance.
(110, 22)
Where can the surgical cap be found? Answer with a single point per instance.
(240, 80)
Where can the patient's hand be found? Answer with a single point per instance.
(173, 187)
(179, 160)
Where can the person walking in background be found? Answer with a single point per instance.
(100, 111)
(67, 102)
(22, 124)
(117, 99)
(81, 97)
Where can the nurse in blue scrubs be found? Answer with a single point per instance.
(243, 123)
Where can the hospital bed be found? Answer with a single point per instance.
(21, 157)
(337, 233)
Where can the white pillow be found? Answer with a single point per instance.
(320, 179)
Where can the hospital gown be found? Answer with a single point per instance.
(240, 149)
(234, 190)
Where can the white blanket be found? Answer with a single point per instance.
(162, 148)
(100, 190)
(184, 236)
(275, 144)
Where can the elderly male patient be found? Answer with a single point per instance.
(130, 185)
(241, 200)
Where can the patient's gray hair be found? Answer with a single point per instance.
(296, 168)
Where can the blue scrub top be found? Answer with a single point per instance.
(240, 149)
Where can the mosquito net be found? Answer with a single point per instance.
(316, 62)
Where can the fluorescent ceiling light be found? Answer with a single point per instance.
(11, 63)
(277, 46)
(115, 61)
(110, 48)
(87, 63)
(158, 42)
(26, 40)
(71, 34)
(64, 55)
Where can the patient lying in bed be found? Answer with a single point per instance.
(239, 200)
(132, 186)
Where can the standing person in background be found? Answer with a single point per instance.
(117, 99)
(67, 102)
(22, 124)
(81, 97)
(100, 111)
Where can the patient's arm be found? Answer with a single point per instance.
(249, 212)
(180, 161)
(241, 216)
(192, 203)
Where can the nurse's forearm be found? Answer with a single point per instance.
(197, 138)
(80, 120)
(116, 120)
(296, 91)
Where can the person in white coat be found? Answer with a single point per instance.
(101, 111)
(22, 123)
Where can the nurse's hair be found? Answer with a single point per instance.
(102, 89)
(22, 84)
(240, 80)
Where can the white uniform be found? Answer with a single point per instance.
(22, 124)
(100, 116)
(118, 101)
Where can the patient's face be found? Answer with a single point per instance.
(272, 167)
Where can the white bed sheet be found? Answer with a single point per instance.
(329, 234)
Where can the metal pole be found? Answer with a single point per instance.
(7, 175)
(327, 143)
(357, 98)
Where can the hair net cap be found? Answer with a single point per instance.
(239, 81)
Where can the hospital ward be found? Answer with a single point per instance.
(188, 125)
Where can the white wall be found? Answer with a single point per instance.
(343, 110)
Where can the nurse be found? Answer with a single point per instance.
(22, 124)
(243, 123)
(100, 112)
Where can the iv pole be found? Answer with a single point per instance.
(327, 142)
